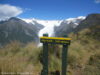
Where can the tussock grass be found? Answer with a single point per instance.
(18, 58)
(83, 51)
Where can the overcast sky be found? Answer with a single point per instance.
(48, 9)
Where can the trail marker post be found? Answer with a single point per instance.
(54, 40)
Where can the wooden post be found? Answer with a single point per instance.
(45, 58)
(64, 59)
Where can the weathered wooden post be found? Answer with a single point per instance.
(45, 57)
(54, 40)
(64, 59)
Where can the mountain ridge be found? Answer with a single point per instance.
(15, 29)
(65, 29)
(91, 20)
(34, 28)
(49, 25)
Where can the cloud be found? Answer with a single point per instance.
(97, 1)
(7, 11)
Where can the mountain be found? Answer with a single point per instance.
(48, 25)
(17, 29)
(91, 20)
(67, 26)
(26, 30)
(52, 27)
(76, 25)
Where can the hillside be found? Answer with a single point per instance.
(15, 29)
(84, 52)
(91, 20)
(83, 55)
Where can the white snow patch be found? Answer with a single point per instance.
(29, 21)
(69, 20)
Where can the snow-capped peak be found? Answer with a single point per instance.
(74, 20)
(50, 24)
(43, 22)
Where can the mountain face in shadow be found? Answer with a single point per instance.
(91, 20)
(15, 29)
(66, 28)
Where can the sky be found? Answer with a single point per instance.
(48, 9)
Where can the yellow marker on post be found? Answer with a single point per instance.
(55, 40)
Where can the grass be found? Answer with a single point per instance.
(83, 56)
(17, 58)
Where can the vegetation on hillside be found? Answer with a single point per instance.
(19, 59)
(84, 52)
(83, 55)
